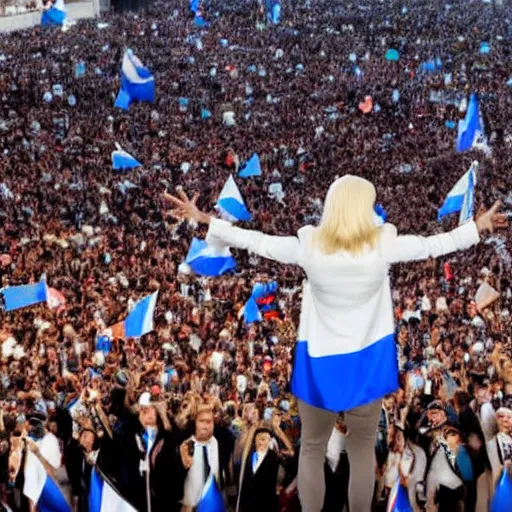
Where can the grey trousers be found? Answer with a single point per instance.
(317, 425)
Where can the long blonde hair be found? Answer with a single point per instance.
(348, 221)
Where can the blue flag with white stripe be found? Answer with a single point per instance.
(137, 82)
(230, 204)
(252, 311)
(471, 127)
(398, 500)
(251, 168)
(41, 488)
(502, 499)
(17, 297)
(461, 197)
(207, 260)
(211, 498)
(123, 160)
(104, 498)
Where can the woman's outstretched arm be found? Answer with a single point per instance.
(285, 249)
(413, 248)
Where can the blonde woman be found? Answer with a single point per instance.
(345, 356)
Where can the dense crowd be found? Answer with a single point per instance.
(203, 378)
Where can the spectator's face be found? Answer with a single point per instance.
(148, 416)
(504, 421)
(453, 440)
(389, 402)
(87, 441)
(436, 416)
(262, 441)
(204, 426)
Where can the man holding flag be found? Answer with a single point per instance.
(201, 456)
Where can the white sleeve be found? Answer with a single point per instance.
(413, 248)
(285, 249)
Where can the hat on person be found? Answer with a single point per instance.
(263, 429)
(145, 399)
(451, 430)
(436, 405)
(37, 416)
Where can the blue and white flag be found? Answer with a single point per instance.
(275, 13)
(502, 499)
(140, 320)
(207, 260)
(380, 215)
(75, 406)
(104, 498)
(230, 204)
(123, 160)
(251, 168)
(55, 15)
(211, 498)
(398, 500)
(17, 297)
(252, 312)
(200, 22)
(194, 5)
(41, 489)
(461, 197)
(137, 82)
(471, 130)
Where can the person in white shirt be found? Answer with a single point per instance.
(46, 442)
(200, 455)
(407, 463)
(499, 448)
(345, 357)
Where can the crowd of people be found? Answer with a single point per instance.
(315, 97)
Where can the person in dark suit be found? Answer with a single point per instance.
(259, 487)
(150, 470)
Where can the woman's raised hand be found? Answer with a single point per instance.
(489, 220)
(186, 208)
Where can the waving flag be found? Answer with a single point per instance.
(274, 14)
(194, 5)
(56, 15)
(399, 500)
(211, 498)
(123, 160)
(231, 204)
(471, 129)
(461, 197)
(502, 499)
(262, 302)
(41, 489)
(137, 82)
(251, 311)
(380, 215)
(251, 168)
(207, 260)
(200, 22)
(139, 322)
(17, 297)
(104, 498)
